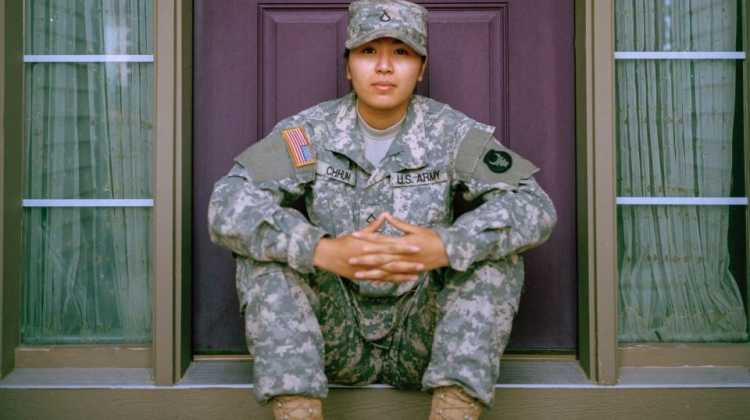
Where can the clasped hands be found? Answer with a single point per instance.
(368, 255)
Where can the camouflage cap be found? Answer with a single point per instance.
(400, 19)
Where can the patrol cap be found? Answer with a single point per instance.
(400, 19)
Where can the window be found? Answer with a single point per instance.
(682, 201)
(89, 122)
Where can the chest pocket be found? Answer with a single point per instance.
(333, 193)
(422, 196)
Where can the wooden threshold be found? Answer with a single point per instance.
(527, 390)
(365, 404)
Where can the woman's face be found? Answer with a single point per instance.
(384, 73)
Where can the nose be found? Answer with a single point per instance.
(384, 64)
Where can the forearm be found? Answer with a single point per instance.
(508, 222)
(250, 222)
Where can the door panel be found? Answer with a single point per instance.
(508, 64)
(302, 60)
(469, 66)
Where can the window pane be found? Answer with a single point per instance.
(678, 128)
(676, 25)
(88, 130)
(89, 27)
(88, 276)
(683, 272)
(678, 276)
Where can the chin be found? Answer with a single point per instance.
(384, 103)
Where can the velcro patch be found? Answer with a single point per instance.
(299, 146)
(343, 175)
(269, 159)
(483, 158)
(424, 177)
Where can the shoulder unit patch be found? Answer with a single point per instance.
(498, 161)
(482, 157)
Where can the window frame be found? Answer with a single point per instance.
(171, 211)
(11, 116)
(596, 189)
(694, 354)
(82, 355)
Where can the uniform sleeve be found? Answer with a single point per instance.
(515, 214)
(247, 211)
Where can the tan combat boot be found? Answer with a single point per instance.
(452, 403)
(296, 407)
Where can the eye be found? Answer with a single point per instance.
(368, 50)
(402, 51)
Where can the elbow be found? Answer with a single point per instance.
(543, 218)
(220, 221)
(548, 220)
(224, 231)
(217, 229)
(541, 206)
(547, 226)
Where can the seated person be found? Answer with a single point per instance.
(378, 282)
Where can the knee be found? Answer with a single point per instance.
(257, 282)
(489, 273)
(491, 282)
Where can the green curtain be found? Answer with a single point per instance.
(675, 122)
(89, 135)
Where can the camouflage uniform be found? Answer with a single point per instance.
(305, 326)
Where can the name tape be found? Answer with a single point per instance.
(409, 179)
(344, 175)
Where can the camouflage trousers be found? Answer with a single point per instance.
(307, 331)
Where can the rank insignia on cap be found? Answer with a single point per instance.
(385, 17)
(498, 161)
(300, 149)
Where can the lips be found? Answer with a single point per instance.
(383, 86)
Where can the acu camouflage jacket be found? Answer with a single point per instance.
(440, 155)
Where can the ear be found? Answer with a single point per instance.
(421, 73)
(348, 72)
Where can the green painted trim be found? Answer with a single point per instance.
(11, 182)
(364, 404)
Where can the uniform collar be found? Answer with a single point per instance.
(408, 150)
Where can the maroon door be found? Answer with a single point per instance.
(505, 63)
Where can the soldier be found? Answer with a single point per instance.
(379, 281)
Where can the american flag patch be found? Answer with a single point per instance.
(300, 149)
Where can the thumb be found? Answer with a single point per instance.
(400, 224)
